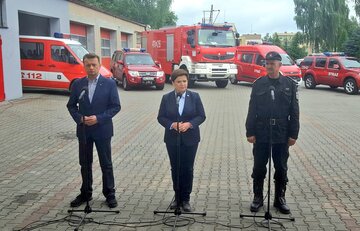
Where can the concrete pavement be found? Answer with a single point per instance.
(40, 174)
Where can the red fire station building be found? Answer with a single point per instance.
(98, 31)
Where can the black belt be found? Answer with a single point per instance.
(272, 121)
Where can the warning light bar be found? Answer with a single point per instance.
(134, 49)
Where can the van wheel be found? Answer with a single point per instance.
(233, 80)
(221, 83)
(125, 84)
(350, 87)
(309, 82)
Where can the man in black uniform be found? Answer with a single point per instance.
(273, 102)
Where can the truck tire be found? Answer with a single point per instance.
(309, 82)
(233, 80)
(221, 83)
(350, 87)
(125, 84)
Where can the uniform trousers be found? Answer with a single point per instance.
(280, 155)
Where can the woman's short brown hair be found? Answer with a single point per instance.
(179, 72)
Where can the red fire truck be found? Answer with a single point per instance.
(206, 51)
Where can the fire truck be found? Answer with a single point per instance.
(206, 51)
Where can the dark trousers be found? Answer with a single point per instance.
(186, 162)
(280, 155)
(103, 148)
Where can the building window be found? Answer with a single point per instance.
(138, 39)
(124, 40)
(2, 14)
(80, 39)
(105, 47)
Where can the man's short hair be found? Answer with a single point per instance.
(179, 72)
(91, 56)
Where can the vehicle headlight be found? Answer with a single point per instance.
(233, 66)
(200, 66)
(134, 73)
(159, 73)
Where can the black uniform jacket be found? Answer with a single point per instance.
(284, 110)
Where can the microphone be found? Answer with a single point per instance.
(178, 97)
(83, 92)
(272, 92)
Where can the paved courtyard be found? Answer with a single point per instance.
(40, 175)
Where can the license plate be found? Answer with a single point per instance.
(148, 82)
(148, 78)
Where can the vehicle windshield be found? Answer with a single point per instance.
(216, 38)
(79, 50)
(139, 59)
(286, 60)
(350, 62)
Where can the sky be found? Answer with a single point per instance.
(249, 16)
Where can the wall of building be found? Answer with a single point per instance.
(97, 21)
(57, 13)
(40, 17)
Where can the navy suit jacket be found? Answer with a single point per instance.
(105, 104)
(193, 112)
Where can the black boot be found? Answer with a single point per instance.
(258, 200)
(279, 201)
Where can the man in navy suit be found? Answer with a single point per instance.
(93, 101)
(181, 112)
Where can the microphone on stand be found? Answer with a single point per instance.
(272, 92)
(84, 90)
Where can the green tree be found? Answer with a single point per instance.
(323, 22)
(276, 40)
(295, 50)
(352, 45)
(155, 13)
(357, 7)
(267, 38)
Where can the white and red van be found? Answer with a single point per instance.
(52, 63)
(250, 61)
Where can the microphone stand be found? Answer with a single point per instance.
(177, 212)
(268, 216)
(87, 210)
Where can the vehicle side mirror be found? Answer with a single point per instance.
(263, 62)
(158, 64)
(120, 62)
(237, 41)
(72, 60)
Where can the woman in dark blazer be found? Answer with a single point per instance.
(186, 107)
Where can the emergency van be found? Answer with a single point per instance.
(206, 51)
(333, 69)
(250, 61)
(52, 63)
